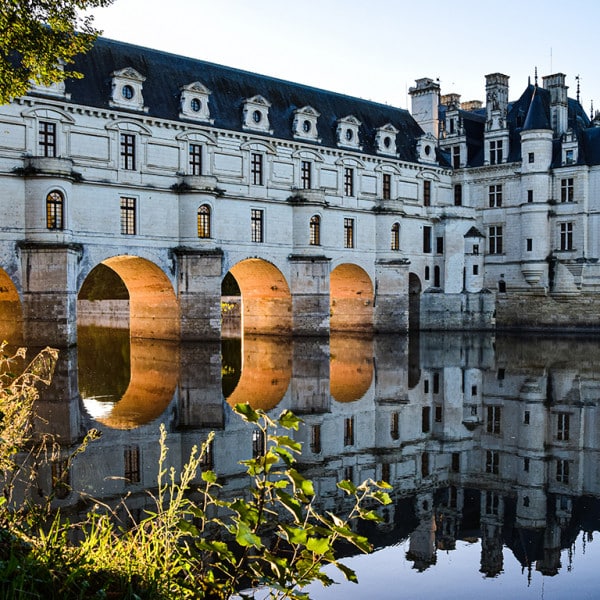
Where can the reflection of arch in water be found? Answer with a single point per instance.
(153, 368)
(266, 297)
(11, 321)
(351, 299)
(266, 372)
(153, 308)
(351, 367)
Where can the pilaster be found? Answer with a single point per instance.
(199, 293)
(309, 286)
(390, 314)
(50, 293)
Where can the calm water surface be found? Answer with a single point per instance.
(492, 444)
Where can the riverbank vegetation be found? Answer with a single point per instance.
(193, 543)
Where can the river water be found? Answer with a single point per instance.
(491, 443)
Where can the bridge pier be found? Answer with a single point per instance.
(309, 286)
(199, 293)
(50, 293)
(390, 314)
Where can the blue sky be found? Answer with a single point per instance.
(375, 49)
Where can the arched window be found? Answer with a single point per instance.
(395, 236)
(315, 230)
(436, 277)
(204, 221)
(54, 210)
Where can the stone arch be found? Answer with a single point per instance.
(152, 303)
(266, 297)
(351, 299)
(11, 314)
(351, 367)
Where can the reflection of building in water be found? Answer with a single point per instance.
(495, 439)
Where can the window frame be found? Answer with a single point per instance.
(127, 154)
(257, 168)
(426, 192)
(386, 186)
(55, 210)
(349, 232)
(495, 239)
(565, 230)
(496, 152)
(204, 215)
(567, 189)
(314, 228)
(495, 195)
(195, 158)
(128, 206)
(306, 174)
(348, 181)
(395, 234)
(47, 139)
(257, 225)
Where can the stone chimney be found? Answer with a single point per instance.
(425, 100)
(555, 84)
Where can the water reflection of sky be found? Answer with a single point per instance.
(386, 575)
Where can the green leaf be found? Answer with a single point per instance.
(247, 413)
(245, 537)
(289, 420)
(384, 485)
(288, 459)
(288, 442)
(347, 486)
(209, 476)
(349, 574)
(187, 527)
(318, 545)
(295, 535)
(382, 497)
(290, 503)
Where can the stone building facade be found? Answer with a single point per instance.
(331, 212)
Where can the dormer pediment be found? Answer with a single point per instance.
(347, 132)
(385, 140)
(426, 145)
(127, 87)
(305, 124)
(194, 102)
(255, 114)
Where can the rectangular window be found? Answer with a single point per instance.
(531, 157)
(306, 175)
(256, 168)
(425, 464)
(569, 157)
(566, 236)
(495, 239)
(439, 245)
(438, 414)
(492, 461)
(567, 190)
(529, 195)
(315, 439)
(436, 383)
(128, 216)
(257, 225)
(529, 244)
(562, 471)
(496, 154)
(128, 151)
(426, 419)
(132, 464)
(456, 157)
(491, 503)
(395, 425)
(562, 427)
(387, 186)
(494, 414)
(385, 472)
(526, 465)
(526, 417)
(47, 139)
(348, 181)
(195, 152)
(456, 462)
(349, 431)
(258, 443)
(348, 233)
(475, 269)
(495, 195)
(207, 458)
(427, 193)
(427, 240)
(458, 195)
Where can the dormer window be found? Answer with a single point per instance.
(127, 85)
(426, 148)
(385, 140)
(347, 132)
(305, 124)
(255, 114)
(194, 102)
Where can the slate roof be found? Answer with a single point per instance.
(532, 111)
(165, 74)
